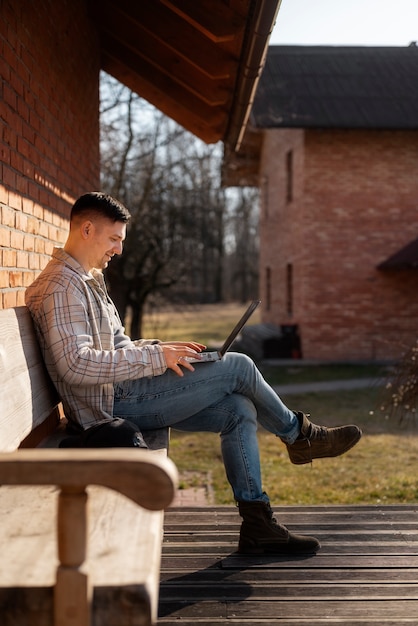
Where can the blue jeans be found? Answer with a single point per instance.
(229, 397)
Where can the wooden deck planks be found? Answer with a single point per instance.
(366, 572)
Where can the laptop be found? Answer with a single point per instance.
(218, 354)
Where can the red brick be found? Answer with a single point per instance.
(22, 259)
(33, 261)
(29, 243)
(9, 258)
(4, 195)
(20, 297)
(15, 199)
(16, 240)
(28, 278)
(40, 245)
(21, 221)
(4, 279)
(10, 299)
(16, 279)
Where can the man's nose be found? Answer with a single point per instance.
(118, 247)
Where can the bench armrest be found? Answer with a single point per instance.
(147, 478)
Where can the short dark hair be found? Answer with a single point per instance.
(101, 204)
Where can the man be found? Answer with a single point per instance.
(111, 387)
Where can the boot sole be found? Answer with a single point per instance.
(288, 552)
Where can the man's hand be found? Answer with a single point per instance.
(175, 351)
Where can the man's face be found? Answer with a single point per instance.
(105, 239)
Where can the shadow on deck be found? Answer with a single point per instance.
(366, 572)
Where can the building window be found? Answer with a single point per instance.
(265, 196)
(289, 289)
(268, 289)
(289, 176)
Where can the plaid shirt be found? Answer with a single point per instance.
(83, 341)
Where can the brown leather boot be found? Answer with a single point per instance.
(317, 442)
(261, 534)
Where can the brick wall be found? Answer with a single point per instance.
(278, 221)
(355, 203)
(49, 133)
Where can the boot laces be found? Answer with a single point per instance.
(275, 523)
(318, 433)
(271, 514)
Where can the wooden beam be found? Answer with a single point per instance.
(168, 32)
(167, 68)
(218, 23)
(207, 123)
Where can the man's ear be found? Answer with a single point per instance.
(86, 229)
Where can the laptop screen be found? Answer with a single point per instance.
(228, 341)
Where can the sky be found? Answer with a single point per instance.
(346, 22)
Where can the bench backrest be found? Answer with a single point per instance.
(28, 399)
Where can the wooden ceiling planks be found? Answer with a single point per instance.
(189, 59)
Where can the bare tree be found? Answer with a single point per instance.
(243, 243)
(170, 182)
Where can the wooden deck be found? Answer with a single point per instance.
(366, 572)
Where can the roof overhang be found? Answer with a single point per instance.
(405, 259)
(198, 61)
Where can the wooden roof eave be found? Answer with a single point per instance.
(199, 63)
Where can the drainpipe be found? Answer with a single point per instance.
(251, 67)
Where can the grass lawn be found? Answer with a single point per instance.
(382, 468)
(209, 324)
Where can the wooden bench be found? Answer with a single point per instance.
(80, 529)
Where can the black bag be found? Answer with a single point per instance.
(119, 433)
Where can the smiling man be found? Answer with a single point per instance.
(95, 239)
(111, 386)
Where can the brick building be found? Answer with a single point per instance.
(333, 147)
(199, 67)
